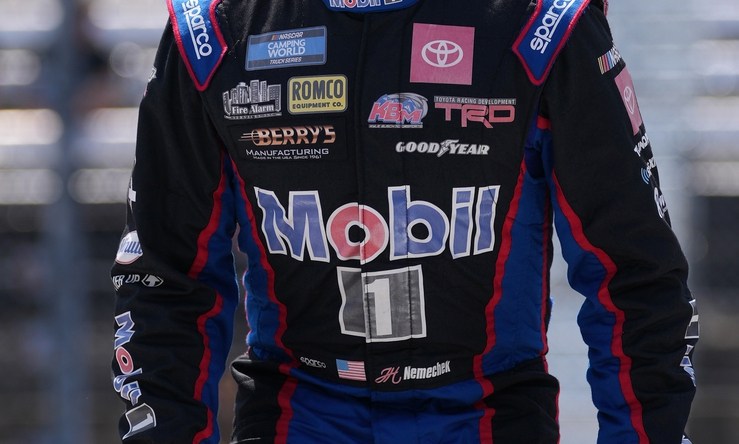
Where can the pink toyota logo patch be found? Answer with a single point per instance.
(442, 54)
(628, 95)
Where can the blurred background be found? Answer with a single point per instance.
(72, 73)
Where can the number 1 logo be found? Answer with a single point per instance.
(382, 306)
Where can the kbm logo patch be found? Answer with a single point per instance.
(401, 110)
(319, 94)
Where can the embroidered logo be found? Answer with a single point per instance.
(442, 54)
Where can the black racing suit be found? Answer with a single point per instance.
(391, 170)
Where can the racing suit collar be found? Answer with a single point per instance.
(364, 6)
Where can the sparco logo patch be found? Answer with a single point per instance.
(442, 54)
(196, 25)
(199, 38)
(315, 363)
(542, 38)
(252, 101)
(319, 94)
(548, 24)
(294, 142)
(294, 47)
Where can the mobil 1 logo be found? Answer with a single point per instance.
(383, 306)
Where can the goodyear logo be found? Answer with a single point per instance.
(317, 94)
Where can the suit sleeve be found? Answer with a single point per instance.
(638, 318)
(174, 276)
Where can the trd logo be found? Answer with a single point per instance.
(485, 114)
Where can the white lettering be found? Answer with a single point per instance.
(291, 35)
(197, 27)
(441, 368)
(643, 143)
(544, 33)
(315, 363)
(446, 147)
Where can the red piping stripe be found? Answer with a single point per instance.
(266, 265)
(283, 400)
(207, 432)
(545, 299)
(201, 259)
(486, 422)
(546, 228)
(604, 296)
(543, 124)
(288, 388)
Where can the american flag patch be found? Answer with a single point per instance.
(350, 370)
(609, 60)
